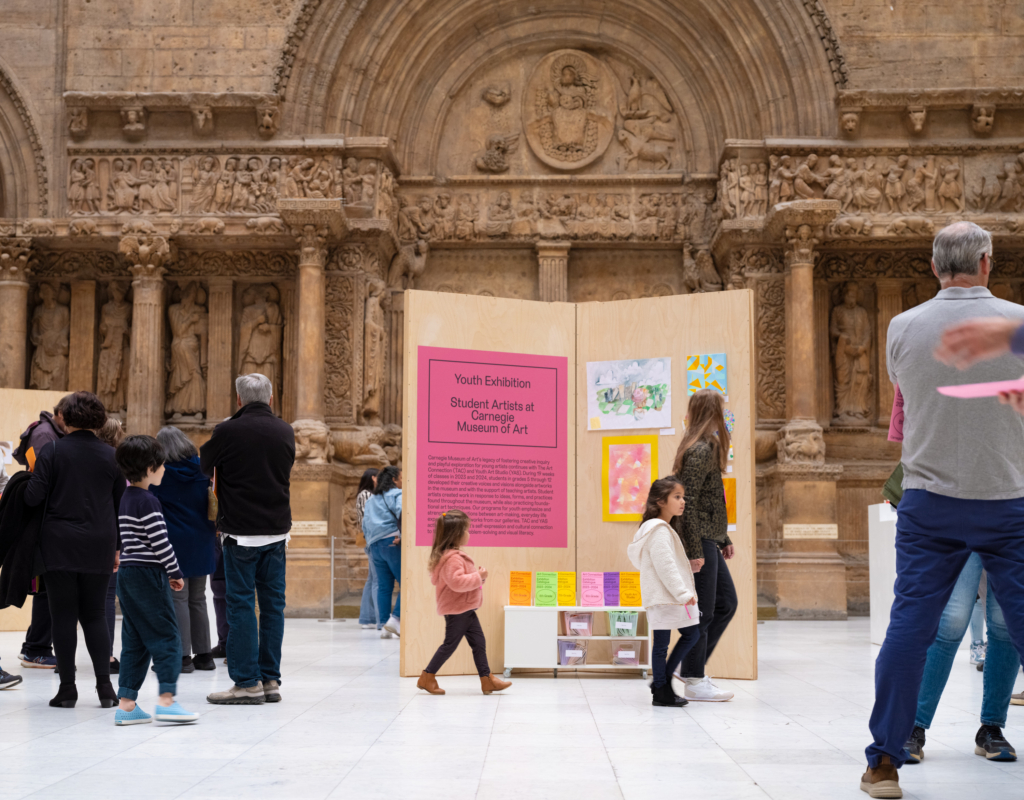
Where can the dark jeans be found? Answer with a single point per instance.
(149, 628)
(663, 669)
(78, 597)
(455, 627)
(717, 602)
(218, 588)
(110, 609)
(255, 573)
(935, 536)
(387, 561)
(39, 636)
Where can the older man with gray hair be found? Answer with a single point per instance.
(251, 457)
(963, 492)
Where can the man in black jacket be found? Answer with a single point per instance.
(251, 456)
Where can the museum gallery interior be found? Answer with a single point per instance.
(370, 203)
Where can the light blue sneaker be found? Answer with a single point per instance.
(174, 713)
(134, 717)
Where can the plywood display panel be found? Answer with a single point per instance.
(18, 409)
(674, 326)
(474, 323)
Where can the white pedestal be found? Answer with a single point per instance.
(882, 566)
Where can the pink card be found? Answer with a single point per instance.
(971, 390)
(896, 420)
(592, 585)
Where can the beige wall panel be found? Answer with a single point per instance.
(474, 323)
(676, 327)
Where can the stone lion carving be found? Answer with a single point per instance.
(266, 225)
(312, 441)
(360, 446)
(207, 225)
(902, 226)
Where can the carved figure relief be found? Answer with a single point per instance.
(49, 334)
(115, 348)
(338, 348)
(260, 335)
(202, 120)
(374, 350)
(133, 122)
(498, 148)
(771, 349)
(186, 385)
(649, 126)
(497, 96)
(850, 332)
(801, 442)
(983, 118)
(78, 122)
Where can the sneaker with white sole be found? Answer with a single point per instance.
(393, 625)
(702, 690)
(386, 634)
(1017, 699)
(134, 717)
(174, 713)
(978, 649)
(239, 696)
(369, 626)
(38, 662)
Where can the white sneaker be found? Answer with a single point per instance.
(978, 653)
(369, 626)
(702, 690)
(393, 625)
(387, 635)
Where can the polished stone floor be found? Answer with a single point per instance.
(350, 727)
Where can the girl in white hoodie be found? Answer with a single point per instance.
(666, 584)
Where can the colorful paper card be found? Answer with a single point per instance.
(546, 593)
(972, 390)
(592, 589)
(520, 585)
(611, 588)
(629, 465)
(629, 589)
(730, 499)
(706, 371)
(566, 588)
(629, 394)
(730, 420)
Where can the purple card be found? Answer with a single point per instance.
(611, 588)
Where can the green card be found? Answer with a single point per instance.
(547, 589)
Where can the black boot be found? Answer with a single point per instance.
(203, 661)
(66, 697)
(107, 695)
(664, 696)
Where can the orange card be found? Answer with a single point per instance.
(730, 499)
(520, 585)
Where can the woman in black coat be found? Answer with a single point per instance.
(81, 486)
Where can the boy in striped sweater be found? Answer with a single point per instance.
(147, 572)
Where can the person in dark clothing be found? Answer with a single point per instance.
(700, 461)
(184, 495)
(37, 650)
(81, 485)
(113, 434)
(219, 590)
(252, 454)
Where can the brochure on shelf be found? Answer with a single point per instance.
(566, 588)
(611, 588)
(520, 585)
(592, 589)
(547, 589)
(579, 623)
(629, 589)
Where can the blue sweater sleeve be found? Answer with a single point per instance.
(1017, 342)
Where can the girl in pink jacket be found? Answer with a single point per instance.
(459, 588)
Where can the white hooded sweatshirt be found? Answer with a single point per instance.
(666, 581)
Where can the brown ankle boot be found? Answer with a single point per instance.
(429, 682)
(882, 781)
(492, 683)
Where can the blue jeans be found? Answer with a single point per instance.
(663, 668)
(149, 628)
(387, 561)
(368, 604)
(1001, 661)
(935, 536)
(255, 573)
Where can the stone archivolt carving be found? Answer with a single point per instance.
(186, 383)
(115, 348)
(260, 334)
(49, 334)
(850, 332)
(771, 349)
(338, 347)
(33, 139)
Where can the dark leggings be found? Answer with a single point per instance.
(716, 599)
(78, 597)
(455, 627)
(663, 668)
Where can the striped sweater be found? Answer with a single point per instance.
(144, 540)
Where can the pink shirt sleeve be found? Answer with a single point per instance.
(896, 420)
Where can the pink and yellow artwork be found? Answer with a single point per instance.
(628, 467)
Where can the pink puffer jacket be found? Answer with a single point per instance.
(459, 586)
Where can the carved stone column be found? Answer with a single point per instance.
(396, 363)
(83, 336)
(146, 254)
(553, 259)
(14, 274)
(221, 372)
(890, 303)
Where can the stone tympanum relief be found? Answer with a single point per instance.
(115, 348)
(260, 335)
(186, 384)
(850, 332)
(49, 334)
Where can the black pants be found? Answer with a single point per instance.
(39, 636)
(109, 610)
(716, 599)
(78, 597)
(662, 667)
(455, 627)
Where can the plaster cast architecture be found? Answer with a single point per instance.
(190, 190)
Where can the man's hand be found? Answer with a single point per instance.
(976, 340)
(1014, 400)
(729, 551)
(696, 564)
(177, 584)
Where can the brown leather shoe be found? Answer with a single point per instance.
(882, 781)
(492, 683)
(428, 681)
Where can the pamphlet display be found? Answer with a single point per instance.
(611, 588)
(520, 588)
(566, 588)
(547, 589)
(592, 589)
(629, 589)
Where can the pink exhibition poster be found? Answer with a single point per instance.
(492, 440)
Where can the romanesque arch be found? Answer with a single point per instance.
(22, 166)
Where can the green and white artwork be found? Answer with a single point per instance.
(629, 394)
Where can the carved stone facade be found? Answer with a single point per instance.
(257, 191)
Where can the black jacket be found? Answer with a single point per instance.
(253, 453)
(19, 542)
(81, 485)
(36, 436)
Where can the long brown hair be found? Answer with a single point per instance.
(660, 491)
(449, 529)
(706, 419)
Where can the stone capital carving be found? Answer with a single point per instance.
(801, 441)
(14, 253)
(147, 255)
(313, 222)
(312, 241)
(801, 223)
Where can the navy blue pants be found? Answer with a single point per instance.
(254, 649)
(149, 628)
(663, 664)
(935, 536)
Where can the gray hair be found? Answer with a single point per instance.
(958, 248)
(177, 446)
(253, 388)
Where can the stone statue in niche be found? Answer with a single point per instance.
(122, 195)
(115, 348)
(51, 328)
(78, 122)
(202, 120)
(497, 149)
(186, 385)
(374, 351)
(133, 122)
(850, 331)
(205, 177)
(260, 335)
(983, 118)
(916, 116)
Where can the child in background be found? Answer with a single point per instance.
(459, 593)
(148, 571)
(666, 585)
